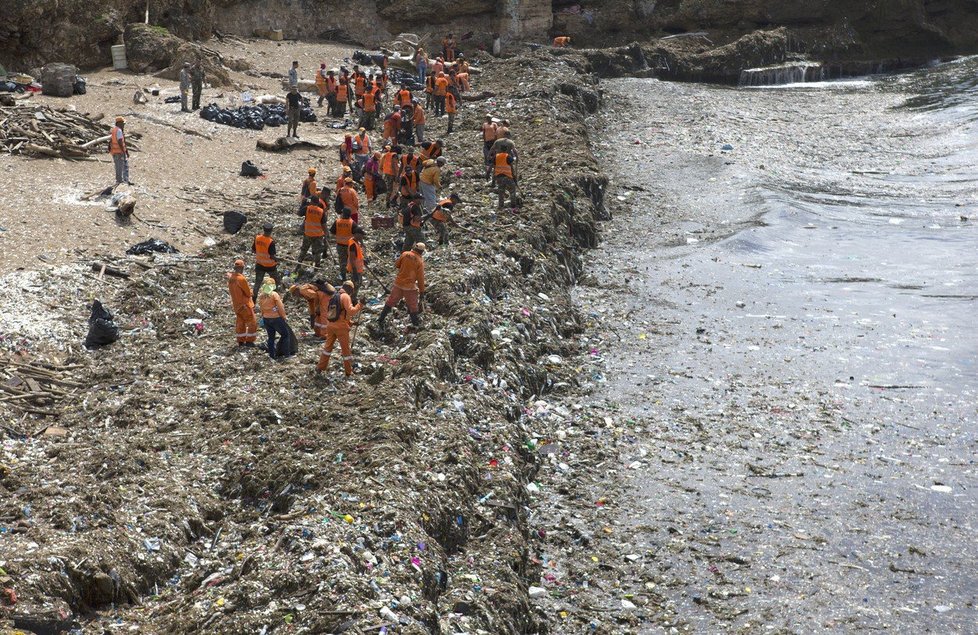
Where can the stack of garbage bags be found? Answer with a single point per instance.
(255, 117)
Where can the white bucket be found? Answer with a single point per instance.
(119, 62)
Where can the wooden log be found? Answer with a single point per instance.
(112, 271)
(94, 142)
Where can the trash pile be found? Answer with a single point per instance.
(255, 117)
(45, 132)
(228, 493)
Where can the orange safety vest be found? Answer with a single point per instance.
(451, 104)
(344, 231)
(441, 86)
(410, 161)
(419, 116)
(117, 146)
(341, 92)
(503, 168)
(403, 97)
(350, 200)
(429, 84)
(364, 142)
(387, 163)
(439, 212)
(369, 102)
(359, 85)
(354, 260)
(262, 256)
(331, 84)
(314, 221)
(409, 188)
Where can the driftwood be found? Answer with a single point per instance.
(284, 144)
(46, 132)
(161, 122)
(34, 387)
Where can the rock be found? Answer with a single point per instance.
(215, 73)
(58, 79)
(150, 48)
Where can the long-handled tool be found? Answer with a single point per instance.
(377, 279)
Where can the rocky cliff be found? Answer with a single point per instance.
(80, 31)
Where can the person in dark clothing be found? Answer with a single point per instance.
(293, 105)
(196, 84)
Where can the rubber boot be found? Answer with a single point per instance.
(415, 319)
(383, 316)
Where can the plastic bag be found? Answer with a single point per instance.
(102, 330)
(234, 221)
(153, 245)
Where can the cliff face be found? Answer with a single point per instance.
(80, 31)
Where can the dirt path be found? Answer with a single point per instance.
(180, 180)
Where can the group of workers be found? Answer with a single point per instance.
(405, 175)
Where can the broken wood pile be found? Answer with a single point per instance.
(35, 387)
(61, 134)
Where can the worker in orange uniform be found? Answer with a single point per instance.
(441, 217)
(368, 103)
(119, 151)
(339, 312)
(245, 326)
(347, 198)
(562, 41)
(317, 295)
(372, 177)
(388, 167)
(313, 234)
(331, 85)
(273, 316)
(403, 97)
(345, 173)
(431, 149)
(321, 83)
(441, 89)
(361, 152)
(265, 262)
(419, 120)
(451, 107)
(309, 188)
(342, 97)
(408, 285)
(356, 259)
(342, 231)
(407, 187)
(448, 46)
(505, 178)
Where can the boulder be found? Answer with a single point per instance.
(58, 79)
(215, 73)
(150, 48)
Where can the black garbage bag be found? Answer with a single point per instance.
(293, 347)
(249, 169)
(234, 221)
(151, 246)
(306, 115)
(81, 85)
(172, 100)
(102, 330)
